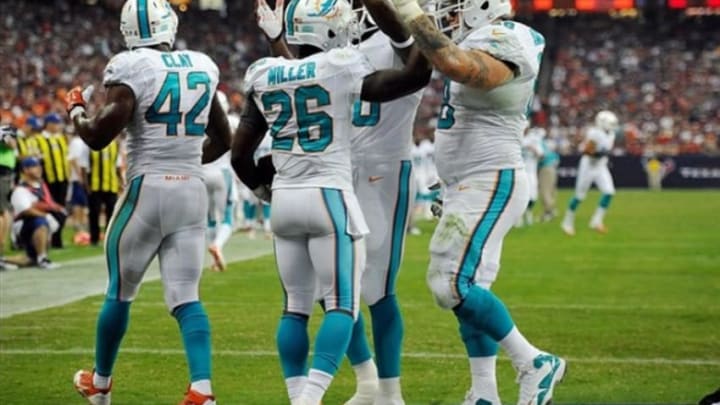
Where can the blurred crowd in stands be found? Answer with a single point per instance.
(662, 78)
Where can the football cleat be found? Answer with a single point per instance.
(471, 398)
(218, 259)
(83, 382)
(538, 378)
(193, 397)
(599, 228)
(568, 229)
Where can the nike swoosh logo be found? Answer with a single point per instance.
(374, 179)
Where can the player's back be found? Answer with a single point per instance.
(173, 93)
(383, 130)
(307, 104)
(491, 122)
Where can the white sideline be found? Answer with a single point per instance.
(416, 355)
(29, 290)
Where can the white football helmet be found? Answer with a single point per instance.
(148, 22)
(460, 17)
(324, 24)
(607, 121)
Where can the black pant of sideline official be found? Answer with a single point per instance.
(58, 191)
(95, 200)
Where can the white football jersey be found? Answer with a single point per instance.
(223, 162)
(478, 130)
(532, 149)
(307, 104)
(604, 142)
(173, 92)
(383, 131)
(265, 147)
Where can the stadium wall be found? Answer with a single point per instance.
(688, 171)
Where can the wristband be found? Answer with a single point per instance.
(75, 111)
(405, 44)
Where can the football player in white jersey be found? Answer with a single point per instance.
(532, 152)
(382, 179)
(222, 196)
(166, 100)
(490, 80)
(593, 169)
(308, 105)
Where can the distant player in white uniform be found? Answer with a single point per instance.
(489, 86)
(593, 169)
(532, 152)
(222, 197)
(317, 223)
(166, 100)
(424, 166)
(382, 179)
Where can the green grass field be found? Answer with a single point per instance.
(636, 312)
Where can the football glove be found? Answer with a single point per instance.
(270, 21)
(436, 207)
(76, 100)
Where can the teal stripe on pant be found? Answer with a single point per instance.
(344, 254)
(473, 252)
(112, 247)
(228, 214)
(402, 206)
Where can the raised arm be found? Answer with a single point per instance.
(218, 133)
(98, 131)
(473, 67)
(390, 84)
(271, 23)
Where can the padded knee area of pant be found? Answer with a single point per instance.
(442, 286)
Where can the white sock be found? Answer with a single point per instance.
(518, 348)
(266, 225)
(317, 384)
(101, 382)
(202, 386)
(569, 217)
(390, 388)
(365, 371)
(295, 386)
(41, 257)
(223, 234)
(210, 234)
(484, 381)
(598, 216)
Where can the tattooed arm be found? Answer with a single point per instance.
(473, 67)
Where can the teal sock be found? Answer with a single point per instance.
(332, 341)
(574, 204)
(388, 333)
(293, 344)
(477, 343)
(195, 329)
(249, 210)
(605, 200)
(359, 349)
(266, 211)
(484, 311)
(111, 326)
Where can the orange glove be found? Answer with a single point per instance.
(75, 100)
(590, 148)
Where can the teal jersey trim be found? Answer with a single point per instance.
(473, 252)
(402, 206)
(143, 19)
(119, 223)
(344, 249)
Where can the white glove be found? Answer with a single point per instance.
(263, 192)
(269, 20)
(436, 207)
(88, 92)
(408, 10)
